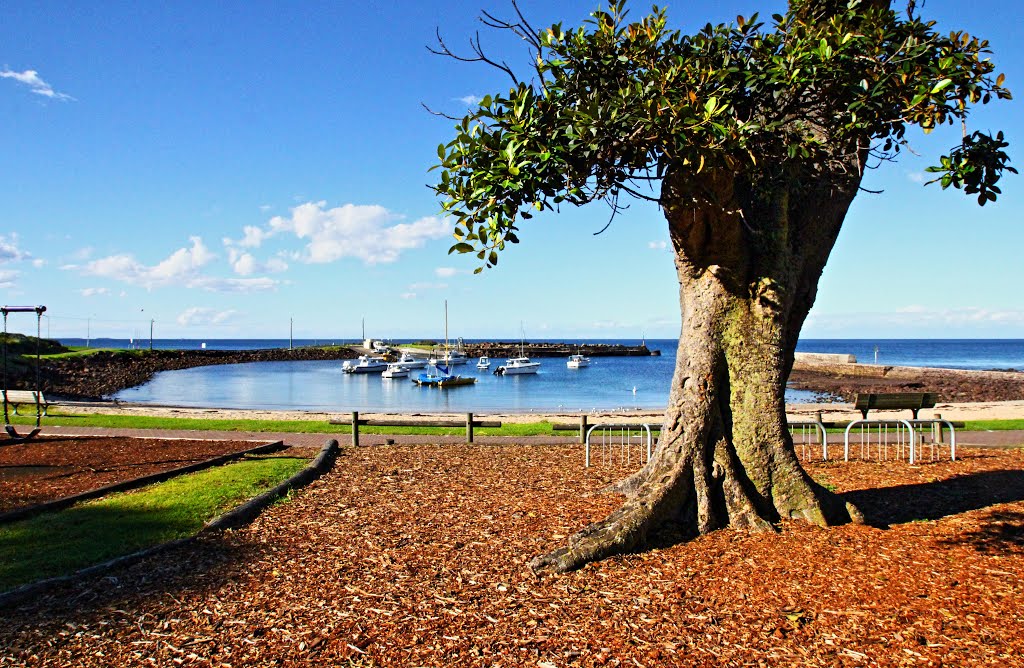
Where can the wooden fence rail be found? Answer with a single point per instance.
(469, 423)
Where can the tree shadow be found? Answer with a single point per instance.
(193, 565)
(934, 500)
(1002, 532)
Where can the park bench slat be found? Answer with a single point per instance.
(913, 401)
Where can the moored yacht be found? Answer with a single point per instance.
(365, 364)
(410, 362)
(395, 370)
(517, 365)
(577, 362)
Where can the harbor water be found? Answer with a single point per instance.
(609, 383)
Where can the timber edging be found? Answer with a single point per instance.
(238, 517)
(134, 483)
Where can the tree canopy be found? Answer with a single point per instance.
(614, 105)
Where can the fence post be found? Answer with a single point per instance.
(469, 427)
(355, 429)
(583, 429)
(821, 432)
(938, 434)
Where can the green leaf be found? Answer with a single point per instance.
(941, 86)
(460, 248)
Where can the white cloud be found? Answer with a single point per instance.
(916, 321)
(83, 254)
(8, 278)
(182, 266)
(9, 251)
(446, 272)
(966, 315)
(408, 295)
(243, 285)
(201, 315)
(470, 100)
(657, 245)
(917, 177)
(252, 237)
(93, 292)
(244, 264)
(370, 233)
(35, 84)
(38, 264)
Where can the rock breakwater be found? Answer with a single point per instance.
(103, 374)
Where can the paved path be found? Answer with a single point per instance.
(964, 438)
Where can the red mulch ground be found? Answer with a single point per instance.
(416, 556)
(49, 468)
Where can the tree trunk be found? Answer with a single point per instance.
(748, 264)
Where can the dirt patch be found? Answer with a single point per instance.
(416, 555)
(45, 469)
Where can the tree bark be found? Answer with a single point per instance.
(748, 264)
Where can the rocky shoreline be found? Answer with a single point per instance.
(103, 374)
(840, 382)
(498, 349)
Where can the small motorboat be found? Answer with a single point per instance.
(395, 370)
(410, 362)
(442, 380)
(517, 365)
(484, 363)
(365, 364)
(577, 362)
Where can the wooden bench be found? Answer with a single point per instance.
(914, 401)
(22, 397)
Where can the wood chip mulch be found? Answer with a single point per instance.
(416, 556)
(49, 468)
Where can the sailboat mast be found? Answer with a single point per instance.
(447, 354)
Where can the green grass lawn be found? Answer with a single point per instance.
(542, 428)
(57, 418)
(62, 542)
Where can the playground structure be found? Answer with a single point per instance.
(12, 432)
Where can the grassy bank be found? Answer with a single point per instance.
(59, 543)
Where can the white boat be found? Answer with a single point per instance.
(453, 358)
(365, 364)
(484, 362)
(577, 362)
(517, 365)
(442, 376)
(395, 370)
(410, 362)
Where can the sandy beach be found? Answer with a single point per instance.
(986, 410)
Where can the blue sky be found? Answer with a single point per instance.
(221, 168)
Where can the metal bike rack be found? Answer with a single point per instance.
(804, 429)
(624, 443)
(883, 436)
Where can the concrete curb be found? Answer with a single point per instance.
(134, 483)
(240, 516)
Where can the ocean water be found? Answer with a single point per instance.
(609, 383)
